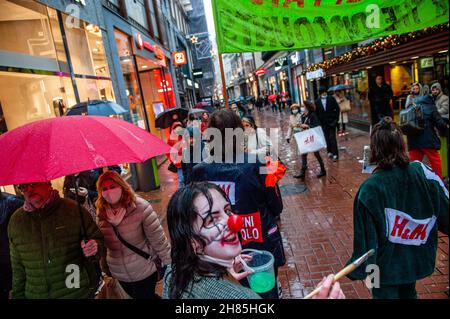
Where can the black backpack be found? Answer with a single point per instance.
(412, 120)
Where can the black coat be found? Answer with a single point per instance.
(330, 116)
(380, 97)
(249, 196)
(311, 119)
(433, 120)
(8, 205)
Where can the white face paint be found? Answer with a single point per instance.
(221, 243)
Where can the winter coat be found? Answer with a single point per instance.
(310, 119)
(141, 228)
(411, 97)
(8, 205)
(441, 102)
(343, 116)
(330, 116)
(428, 138)
(259, 143)
(259, 205)
(398, 213)
(380, 97)
(294, 121)
(43, 244)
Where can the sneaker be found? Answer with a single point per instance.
(330, 155)
(335, 158)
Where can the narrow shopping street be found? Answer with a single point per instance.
(317, 222)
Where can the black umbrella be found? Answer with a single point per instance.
(96, 107)
(166, 118)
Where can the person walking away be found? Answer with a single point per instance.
(344, 108)
(249, 188)
(125, 220)
(309, 120)
(8, 205)
(176, 141)
(440, 99)
(327, 110)
(45, 236)
(398, 212)
(427, 142)
(206, 253)
(192, 155)
(87, 191)
(256, 140)
(380, 98)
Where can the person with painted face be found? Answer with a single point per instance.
(250, 186)
(125, 220)
(45, 237)
(206, 250)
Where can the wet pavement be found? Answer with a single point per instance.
(317, 220)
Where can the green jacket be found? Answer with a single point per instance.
(46, 247)
(398, 213)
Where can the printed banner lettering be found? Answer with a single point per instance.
(277, 25)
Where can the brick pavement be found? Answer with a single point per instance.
(317, 225)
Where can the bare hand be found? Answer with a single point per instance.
(329, 290)
(237, 267)
(90, 248)
(304, 126)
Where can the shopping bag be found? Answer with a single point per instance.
(311, 140)
(112, 290)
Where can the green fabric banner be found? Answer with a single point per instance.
(277, 25)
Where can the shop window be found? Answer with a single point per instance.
(153, 18)
(130, 77)
(29, 97)
(86, 48)
(90, 89)
(25, 29)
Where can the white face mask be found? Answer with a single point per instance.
(112, 196)
(295, 111)
(302, 110)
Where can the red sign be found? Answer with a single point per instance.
(252, 231)
(164, 86)
(144, 44)
(260, 71)
(179, 58)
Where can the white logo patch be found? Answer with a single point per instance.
(229, 188)
(405, 230)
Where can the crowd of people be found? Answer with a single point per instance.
(102, 226)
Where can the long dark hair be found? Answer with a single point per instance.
(181, 216)
(387, 145)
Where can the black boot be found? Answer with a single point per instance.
(302, 173)
(322, 172)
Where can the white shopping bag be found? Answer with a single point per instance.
(311, 140)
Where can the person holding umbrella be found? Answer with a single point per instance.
(47, 246)
(133, 234)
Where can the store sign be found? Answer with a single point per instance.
(189, 82)
(82, 2)
(280, 62)
(295, 58)
(197, 73)
(281, 25)
(179, 58)
(260, 71)
(143, 44)
(164, 87)
(315, 74)
(426, 63)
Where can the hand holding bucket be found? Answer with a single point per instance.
(262, 274)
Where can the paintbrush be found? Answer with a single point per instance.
(348, 269)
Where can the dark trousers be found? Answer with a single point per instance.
(5, 280)
(406, 291)
(318, 157)
(330, 138)
(144, 289)
(276, 106)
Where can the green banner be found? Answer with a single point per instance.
(277, 25)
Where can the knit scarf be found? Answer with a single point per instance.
(54, 195)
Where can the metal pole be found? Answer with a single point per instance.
(224, 84)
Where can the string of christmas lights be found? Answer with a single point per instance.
(381, 44)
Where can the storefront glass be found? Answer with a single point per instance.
(130, 77)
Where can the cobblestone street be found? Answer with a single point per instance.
(317, 223)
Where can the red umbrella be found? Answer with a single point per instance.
(272, 97)
(44, 150)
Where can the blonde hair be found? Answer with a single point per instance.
(295, 106)
(128, 195)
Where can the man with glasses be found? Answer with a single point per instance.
(48, 252)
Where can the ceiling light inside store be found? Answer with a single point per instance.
(443, 51)
(145, 66)
(95, 50)
(415, 57)
(369, 67)
(392, 62)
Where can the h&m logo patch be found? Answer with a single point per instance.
(403, 229)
